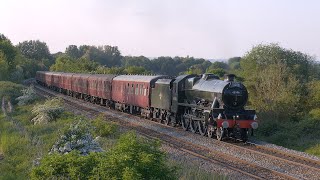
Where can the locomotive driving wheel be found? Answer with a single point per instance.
(194, 126)
(185, 122)
(167, 120)
(220, 133)
(244, 134)
(210, 131)
(203, 127)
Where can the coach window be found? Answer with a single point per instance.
(141, 90)
(137, 89)
(147, 90)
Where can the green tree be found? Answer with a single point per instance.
(35, 49)
(137, 61)
(275, 78)
(136, 70)
(219, 72)
(234, 63)
(68, 64)
(73, 51)
(299, 64)
(105, 55)
(8, 55)
(219, 65)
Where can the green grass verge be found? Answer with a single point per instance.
(21, 142)
(299, 135)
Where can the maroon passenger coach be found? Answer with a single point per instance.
(132, 92)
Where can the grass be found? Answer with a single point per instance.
(21, 142)
(300, 135)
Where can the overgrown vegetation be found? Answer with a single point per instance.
(48, 111)
(25, 148)
(284, 89)
(10, 90)
(28, 96)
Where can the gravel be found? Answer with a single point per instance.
(286, 150)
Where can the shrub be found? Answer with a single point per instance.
(131, 158)
(135, 158)
(68, 166)
(47, 112)
(77, 137)
(102, 127)
(28, 96)
(10, 90)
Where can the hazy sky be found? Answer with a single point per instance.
(199, 28)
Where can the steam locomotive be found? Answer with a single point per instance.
(202, 104)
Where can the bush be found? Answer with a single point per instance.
(77, 137)
(10, 90)
(47, 112)
(135, 158)
(131, 158)
(102, 127)
(68, 166)
(28, 96)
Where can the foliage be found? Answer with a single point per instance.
(47, 112)
(219, 72)
(131, 158)
(10, 90)
(104, 55)
(275, 79)
(139, 61)
(299, 65)
(135, 70)
(23, 143)
(68, 166)
(77, 137)
(28, 96)
(67, 64)
(234, 63)
(16, 63)
(302, 135)
(219, 65)
(135, 158)
(73, 52)
(122, 70)
(102, 127)
(34, 49)
(7, 58)
(276, 92)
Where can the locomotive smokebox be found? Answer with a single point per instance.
(230, 77)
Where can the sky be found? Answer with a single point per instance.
(211, 29)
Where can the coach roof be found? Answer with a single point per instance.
(138, 78)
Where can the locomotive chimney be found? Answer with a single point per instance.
(230, 77)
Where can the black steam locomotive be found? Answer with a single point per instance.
(210, 106)
(202, 104)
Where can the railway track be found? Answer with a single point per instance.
(242, 165)
(296, 159)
